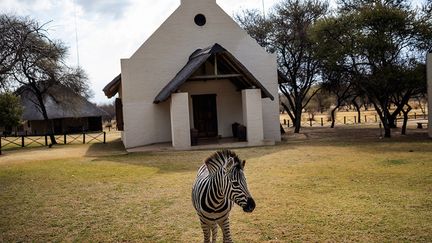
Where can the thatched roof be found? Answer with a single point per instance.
(112, 87)
(228, 64)
(63, 104)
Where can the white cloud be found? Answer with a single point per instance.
(108, 30)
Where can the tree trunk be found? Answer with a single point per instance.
(387, 130)
(392, 121)
(333, 119)
(282, 130)
(384, 119)
(49, 124)
(297, 121)
(405, 120)
(357, 107)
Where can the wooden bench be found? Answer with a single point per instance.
(420, 124)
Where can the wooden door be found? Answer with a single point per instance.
(205, 115)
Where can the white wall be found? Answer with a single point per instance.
(159, 59)
(252, 115)
(179, 110)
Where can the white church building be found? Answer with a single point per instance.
(197, 75)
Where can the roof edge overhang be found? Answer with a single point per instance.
(112, 88)
(198, 58)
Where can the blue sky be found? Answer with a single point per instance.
(108, 30)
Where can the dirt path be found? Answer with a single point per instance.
(21, 155)
(42, 153)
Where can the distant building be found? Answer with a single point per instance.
(67, 111)
(200, 72)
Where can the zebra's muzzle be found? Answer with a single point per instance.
(250, 205)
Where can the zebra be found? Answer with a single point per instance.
(219, 184)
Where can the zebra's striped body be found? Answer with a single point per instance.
(219, 184)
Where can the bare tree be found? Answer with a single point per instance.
(286, 33)
(14, 36)
(39, 65)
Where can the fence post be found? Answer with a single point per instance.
(22, 141)
(104, 137)
(344, 119)
(46, 140)
(322, 122)
(83, 138)
(380, 127)
(64, 138)
(310, 121)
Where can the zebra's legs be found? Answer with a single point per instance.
(206, 231)
(214, 232)
(224, 224)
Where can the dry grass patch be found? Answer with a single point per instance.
(305, 189)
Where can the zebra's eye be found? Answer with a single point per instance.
(235, 183)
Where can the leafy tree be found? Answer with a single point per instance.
(320, 102)
(40, 66)
(374, 41)
(411, 83)
(10, 110)
(286, 33)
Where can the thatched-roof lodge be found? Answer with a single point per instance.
(67, 111)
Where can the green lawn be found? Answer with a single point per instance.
(306, 189)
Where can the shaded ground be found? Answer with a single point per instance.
(333, 185)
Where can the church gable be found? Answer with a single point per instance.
(197, 21)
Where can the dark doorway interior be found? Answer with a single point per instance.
(58, 128)
(205, 115)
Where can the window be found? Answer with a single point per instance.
(200, 20)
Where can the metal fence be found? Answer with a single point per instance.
(43, 140)
(347, 120)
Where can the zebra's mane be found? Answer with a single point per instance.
(217, 160)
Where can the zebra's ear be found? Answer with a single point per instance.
(229, 164)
